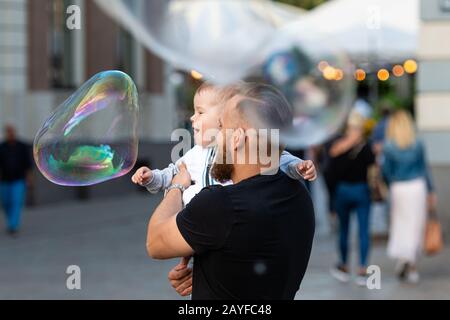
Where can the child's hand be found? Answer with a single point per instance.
(142, 176)
(307, 169)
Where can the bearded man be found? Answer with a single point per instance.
(250, 240)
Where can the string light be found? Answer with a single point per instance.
(383, 74)
(360, 75)
(329, 73)
(196, 75)
(339, 74)
(410, 66)
(398, 70)
(322, 65)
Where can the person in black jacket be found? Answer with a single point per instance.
(351, 156)
(15, 171)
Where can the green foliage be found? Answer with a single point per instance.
(389, 99)
(304, 4)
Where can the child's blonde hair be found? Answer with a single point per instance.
(223, 93)
(401, 129)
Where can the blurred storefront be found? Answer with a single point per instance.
(433, 94)
(42, 62)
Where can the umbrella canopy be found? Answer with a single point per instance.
(360, 28)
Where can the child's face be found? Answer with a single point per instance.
(205, 120)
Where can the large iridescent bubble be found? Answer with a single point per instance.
(221, 39)
(320, 86)
(92, 136)
(227, 41)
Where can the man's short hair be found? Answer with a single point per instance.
(264, 106)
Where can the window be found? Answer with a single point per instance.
(125, 52)
(61, 46)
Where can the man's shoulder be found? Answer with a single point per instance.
(212, 198)
(286, 185)
(211, 193)
(281, 177)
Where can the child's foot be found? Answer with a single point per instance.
(340, 272)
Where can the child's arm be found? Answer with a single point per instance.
(295, 168)
(288, 164)
(161, 179)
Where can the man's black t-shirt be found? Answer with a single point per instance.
(15, 161)
(251, 240)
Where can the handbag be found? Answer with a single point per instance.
(434, 242)
(378, 190)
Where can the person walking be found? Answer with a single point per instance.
(15, 172)
(405, 170)
(351, 157)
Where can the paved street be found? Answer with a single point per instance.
(107, 240)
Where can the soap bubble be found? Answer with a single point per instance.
(320, 88)
(221, 39)
(230, 40)
(92, 136)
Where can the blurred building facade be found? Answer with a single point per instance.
(42, 62)
(433, 94)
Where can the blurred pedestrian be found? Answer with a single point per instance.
(380, 193)
(15, 172)
(379, 132)
(351, 157)
(405, 170)
(325, 167)
(361, 104)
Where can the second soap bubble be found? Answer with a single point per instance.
(92, 136)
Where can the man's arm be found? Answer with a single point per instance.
(164, 240)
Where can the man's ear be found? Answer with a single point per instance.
(238, 139)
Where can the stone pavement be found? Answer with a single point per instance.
(106, 239)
